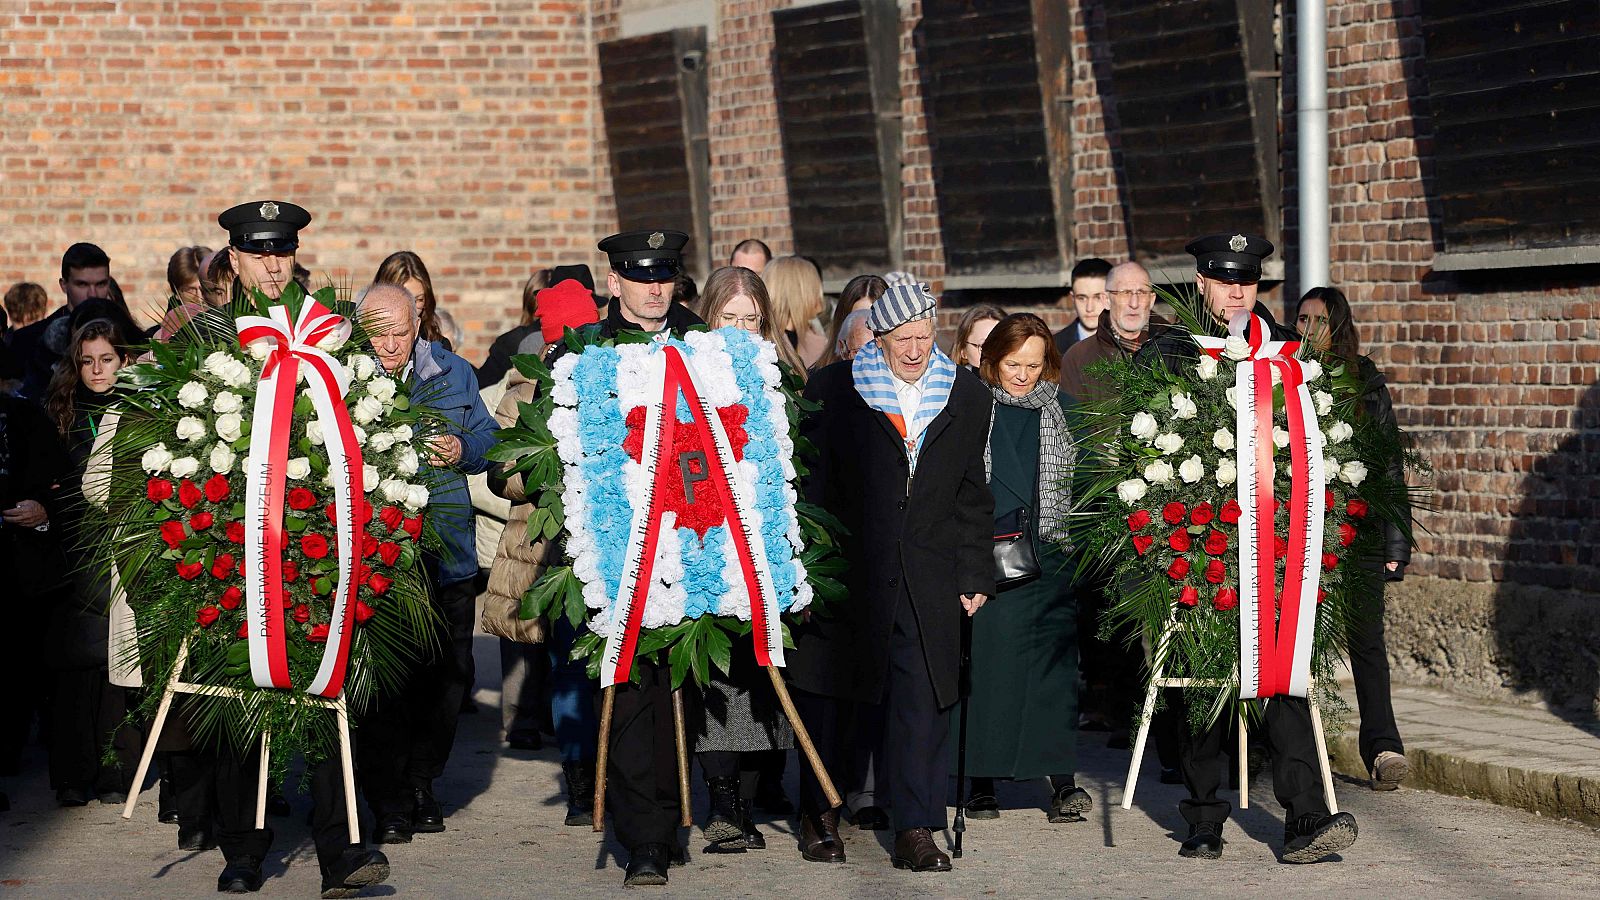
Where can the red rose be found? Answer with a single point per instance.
(200, 521)
(291, 570)
(157, 490)
(302, 613)
(1329, 561)
(230, 598)
(288, 600)
(314, 545)
(378, 583)
(1216, 543)
(1215, 570)
(330, 511)
(363, 612)
(1188, 596)
(1280, 547)
(369, 545)
(217, 488)
(363, 513)
(301, 499)
(1356, 507)
(1201, 514)
(1178, 569)
(389, 552)
(222, 565)
(1321, 594)
(1179, 541)
(1330, 499)
(172, 533)
(390, 516)
(1174, 512)
(235, 532)
(413, 527)
(1136, 522)
(359, 572)
(1142, 542)
(207, 615)
(241, 566)
(319, 634)
(244, 629)
(1230, 513)
(1226, 599)
(1347, 534)
(188, 494)
(189, 571)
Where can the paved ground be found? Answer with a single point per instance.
(505, 839)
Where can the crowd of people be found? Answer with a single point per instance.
(926, 457)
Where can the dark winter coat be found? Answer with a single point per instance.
(935, 543)
(1380, 407)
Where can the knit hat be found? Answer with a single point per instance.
(899, 277)
(568, 304)
(900, 304)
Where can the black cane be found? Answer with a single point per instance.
(964, 681)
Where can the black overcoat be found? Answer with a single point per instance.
(934, 541)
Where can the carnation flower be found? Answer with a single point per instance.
(1192, 470)
(1132, 490)
(184, 466)
(1144, 426)
(156, 459)
(1227, 473)
(1169, 443)
(1222, 439)
(1207, 369)
(1158, 472)
(192, 395)
(227, 402)
(190, 428)
(230, 427)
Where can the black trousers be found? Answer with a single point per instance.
(87, 713)
(916, 732)
(746, 767)
(406, 737)
(1296, 779)
(642, 771)
(827, 720)
(1369, 666)
(230, 781)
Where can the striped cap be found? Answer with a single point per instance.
(900, 304)
(899, 277)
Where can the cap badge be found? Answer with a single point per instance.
(656, 240)
(1237, 243)
(269, 211)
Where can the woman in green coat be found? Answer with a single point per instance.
(1023, 709)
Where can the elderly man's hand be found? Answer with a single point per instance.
(973, 602)
(444, 450)
(27, 514)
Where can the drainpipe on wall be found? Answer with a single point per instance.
(1312, 124)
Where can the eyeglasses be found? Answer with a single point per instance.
(745, 322)
(1125, 296)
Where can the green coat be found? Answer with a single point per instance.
(1022, 721)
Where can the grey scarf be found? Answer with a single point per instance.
(1057, 454)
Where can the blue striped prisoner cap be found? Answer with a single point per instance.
(900, 304)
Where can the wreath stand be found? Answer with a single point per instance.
(175, 685)
(1160, 681)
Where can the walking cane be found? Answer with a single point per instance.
(964, 680)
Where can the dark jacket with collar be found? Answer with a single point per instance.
(679, 319)
(1380, 407)
(935, 543)
(1176, 345)
(1103, 344)
(446, 383)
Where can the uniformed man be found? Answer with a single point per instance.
(1227, 271)
(262, 239)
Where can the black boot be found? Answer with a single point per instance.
(242, 876)
(429, 816)
(723, 831)
(647, 865)
(196, 836)
(753, 838)
(1205, 841)
(166, 795)
(1068, 802)
(1315, 837)
(357, 868)
(580, 792)
(981, 800)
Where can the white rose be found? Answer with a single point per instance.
(1131, 490)
(192, 395)
(1144, 426)
(360, 435)
(1236, 348)
(366, 410)
(1340, 432)
(333, 340)
(259, 348)
(1310, 370)
(405, 460)
(1233, 397)
(416, 497)
(1207, 369)
(217, 363)
(1330, 468)
(229, 427)
(402, 434)
(1183, 407)
(184, 466)
(1324, 401)
(1227, 472)
(314, 432)
(1169, 443)
(156, 459)
(361, 366)
(1280, 438)
(299, 468)
(190, 429)
(393, 489)
(382, 388)
(1353, 473)
(227, 402)
(237, 374)
(222, 458)
(381, 442)
(1192, 470)
(369, 477)
(1222, 439)
(1158, 472)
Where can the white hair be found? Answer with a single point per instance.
(852, 321)
(378, 292)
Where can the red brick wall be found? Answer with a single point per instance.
(749, 190)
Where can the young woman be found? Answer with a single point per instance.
(737, 297)
(795, 289)
(406, 269)
(183, 276)
(973, 329)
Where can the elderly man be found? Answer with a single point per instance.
(1124, 325)
(899, 445)
(853, 334)
(407, 736)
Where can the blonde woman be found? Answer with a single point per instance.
(735, 296)
(796, 292)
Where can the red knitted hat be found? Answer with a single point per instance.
(566, 305)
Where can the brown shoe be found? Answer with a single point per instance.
(819, 838)
(915, 850)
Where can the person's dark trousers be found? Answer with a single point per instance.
(26, 678)
(572, 696)
(237, 835)
(1167, 727)
(642, 770)
(732, 764)
(1369, 666)
(524, 671)
(827, 720)
(916, 746)
(88, 713)
(858, 777)
(193, 774)
(1296, 779)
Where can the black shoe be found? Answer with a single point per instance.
(168, 817)
(753, 838)
(982, 804)
(428, 818)
(242, 876)
(770, 798)
(647, 865)
(1069, 804)
(1173, 776)
(872, 818)
(1313, 838)
(915, 850)
(356, 869)
(1205, 841)
(69, 797)
(166, 806)
(722, 830)
(196, 838)
(524, 740)
(580, 792)
(112, 798)
(680, 856)
(393, 828)
(277, 803)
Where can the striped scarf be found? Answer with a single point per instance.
(875, 383)
(1058, 453)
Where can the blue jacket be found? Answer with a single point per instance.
(447, 383)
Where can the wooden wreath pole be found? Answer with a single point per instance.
(341, 712)
(803, 738)
(685, 813)
(155, 729)
(261, 780)
(602, 755)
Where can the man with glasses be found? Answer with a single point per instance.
(1088, 300)
(1122, 327)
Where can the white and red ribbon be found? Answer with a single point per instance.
(1274, 643)
(294, 354)
(670, 374)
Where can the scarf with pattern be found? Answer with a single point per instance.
(875, 383)
(1057, 455)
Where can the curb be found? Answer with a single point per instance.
(1550, 794)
